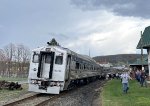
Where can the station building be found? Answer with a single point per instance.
(144, 43)
(137, 65)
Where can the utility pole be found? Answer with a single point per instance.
(142, 51)
(89, 52)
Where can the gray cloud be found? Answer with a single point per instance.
(136, 8)
(100, 40)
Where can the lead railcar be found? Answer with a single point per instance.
(54, 69)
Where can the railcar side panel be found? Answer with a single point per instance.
(53, 68)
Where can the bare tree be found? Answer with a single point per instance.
(9, 53)
(25, 59)
(18, 59)
(2, 62)
(14, 60)
(22, 56)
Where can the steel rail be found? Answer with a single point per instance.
(21, 100)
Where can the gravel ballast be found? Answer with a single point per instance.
(88, 95)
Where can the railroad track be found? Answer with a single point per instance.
(21, 100)
(43, 103)
(35, 100)
(39, 99)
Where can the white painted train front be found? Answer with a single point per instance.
(54, 69)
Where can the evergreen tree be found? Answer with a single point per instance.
(53, 42)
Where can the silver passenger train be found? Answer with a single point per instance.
(54, 69)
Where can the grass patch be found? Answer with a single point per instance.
(112, 94)
(11, 94)
(12, 79)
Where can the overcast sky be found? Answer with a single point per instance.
(104, 27)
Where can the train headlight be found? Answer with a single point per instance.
(34, 82)
(52, 84)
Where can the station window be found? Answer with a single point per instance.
(35, 58)
(59, 60)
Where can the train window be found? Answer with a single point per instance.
(84, 66)
(77, 65)
(68, 59)
(59, 60)
(92, 67)
(48, 59)
(80, 66)
(35, 58)
(73, 58)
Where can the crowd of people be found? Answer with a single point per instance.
(112, 76)
(140, 75)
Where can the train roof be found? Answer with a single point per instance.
(85, 57)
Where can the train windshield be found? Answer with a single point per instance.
(59, 60)
(35, 58)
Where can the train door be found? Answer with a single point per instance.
(46, 65)
(68, 67)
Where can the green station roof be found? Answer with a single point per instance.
(145, 42)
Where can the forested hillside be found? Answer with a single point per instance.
(120, 58)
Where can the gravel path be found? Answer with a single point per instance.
(88, 95)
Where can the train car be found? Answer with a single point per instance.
(54, 69)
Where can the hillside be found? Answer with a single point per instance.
(120, 58)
